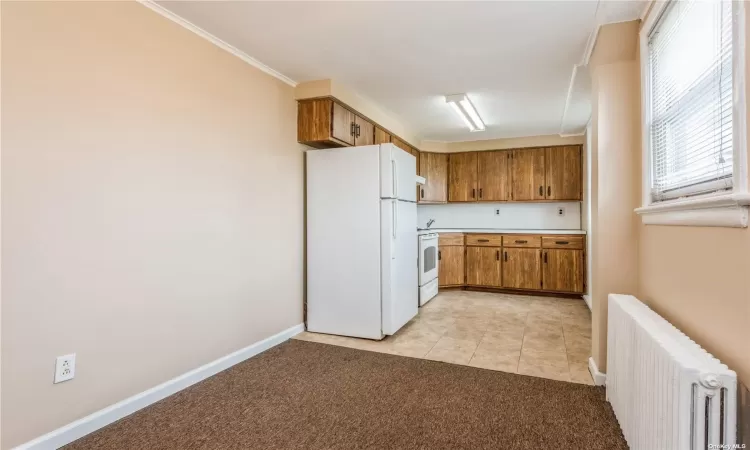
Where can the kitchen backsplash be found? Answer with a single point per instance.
(532, 216)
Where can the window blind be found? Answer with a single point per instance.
(690, 74)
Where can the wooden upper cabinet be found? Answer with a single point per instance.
(493, 173)
(483, 266)
(326, 123)
(522, 268)
(364, 131)
(462, 177)
(563, 270)
(381, 136)
(564, 173)
(400, 144)
(527, 174)
(342, 127)
(434, 168)
(451, 265)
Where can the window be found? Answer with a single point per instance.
(692, 119)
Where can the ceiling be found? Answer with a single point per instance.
(514, 59)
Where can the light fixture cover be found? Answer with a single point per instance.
(465, 109)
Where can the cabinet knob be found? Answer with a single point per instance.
(483, 240)
(497, 255)
(351, 129)
(545, 257)
(473, 193)
(440, 255)
(421, 193)
(506, 256)
(480, 192)
(518, 241)
(562, 242)
(541, 190)
(549, 191)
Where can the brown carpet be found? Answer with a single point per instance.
(304, 395)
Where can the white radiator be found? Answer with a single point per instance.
(667, 392)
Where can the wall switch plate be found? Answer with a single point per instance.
(560, 211)
(65, 368)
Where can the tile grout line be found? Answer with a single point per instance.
(523, 337)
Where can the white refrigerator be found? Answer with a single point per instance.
(361, 238)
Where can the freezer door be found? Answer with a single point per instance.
(400, 281)
(398, 173)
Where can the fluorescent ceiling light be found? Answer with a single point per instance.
(464, 108)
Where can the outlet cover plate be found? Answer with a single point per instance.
(65, 368)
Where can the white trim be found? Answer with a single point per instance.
(215, 40)
(587, 299)
(76, 430)
(598, 377)
(727, 210)
(739, 111)
(645, 10)
(590, 44)
(721, 210)
(572, 134)
(567, 100)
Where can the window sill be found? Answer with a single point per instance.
(726, 210)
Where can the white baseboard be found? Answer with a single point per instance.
(76, 430)
(587, 299)
(599, 377)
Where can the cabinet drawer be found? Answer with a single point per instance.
(486, 240)
(571, 242)
(450, 239)
(519, 240)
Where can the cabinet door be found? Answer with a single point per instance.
(462, 177)
(342, 124)
(563, 270)
(381, 136)
(527, 173)
(564, 173)
(364, 132)
(434, 167)
(522, 268)
(483, 266)
(492, 175)
(451, 265)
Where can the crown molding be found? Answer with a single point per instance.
(164, 12)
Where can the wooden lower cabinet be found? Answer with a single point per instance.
(522, 268)
(483, 266)
(563, 270)
(549, 263)
(451, 266)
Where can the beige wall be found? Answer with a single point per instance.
(616, 166)
(362, 104)
(152, 205)
(699, 279)
(499, 144)
(696, 277)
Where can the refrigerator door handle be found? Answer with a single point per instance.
(395, 178)
(394, 206)
(395, 219)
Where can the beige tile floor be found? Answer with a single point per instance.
(540, 336)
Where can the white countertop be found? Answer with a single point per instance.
(498, 231)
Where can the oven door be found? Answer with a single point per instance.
(428, 258)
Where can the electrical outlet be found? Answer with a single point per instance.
(497, 212)
(561, 211)
(65, 368)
